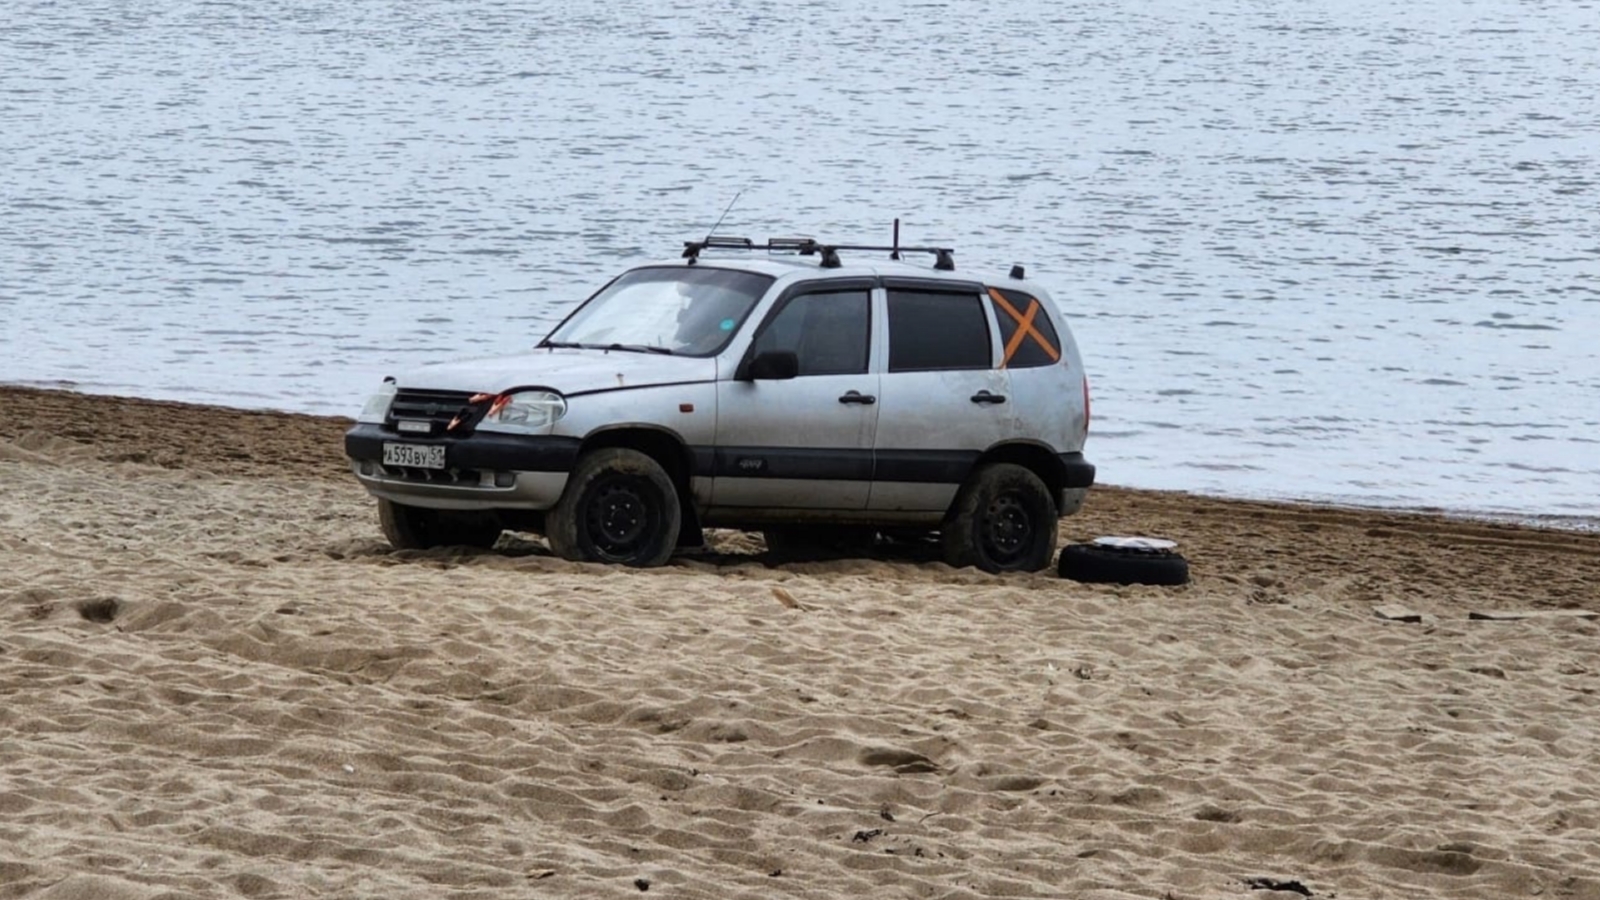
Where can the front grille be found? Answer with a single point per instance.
(438, 409)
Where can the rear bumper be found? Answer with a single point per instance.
(482, 471)
(1078, 478)
(1079, 472)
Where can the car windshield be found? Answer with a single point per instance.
(670, 309)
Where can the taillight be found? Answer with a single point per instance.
(1086, 405)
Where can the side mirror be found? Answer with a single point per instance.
(773, 365)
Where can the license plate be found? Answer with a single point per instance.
(416, 456)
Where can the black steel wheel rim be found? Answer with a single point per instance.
(1007, 529)
(621, 517)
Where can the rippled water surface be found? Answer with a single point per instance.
(1343, 251)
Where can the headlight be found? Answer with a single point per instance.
(524, 411)
(377, 408)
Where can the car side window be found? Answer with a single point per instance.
(830, 332)
(933, 330)
(1026, 333)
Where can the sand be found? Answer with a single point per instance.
(216, 680)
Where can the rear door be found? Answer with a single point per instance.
(944, 397)
(1045, 385)
(806, 442)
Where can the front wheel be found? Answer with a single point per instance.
(1003, 520)
(619, 506)
(415, 528)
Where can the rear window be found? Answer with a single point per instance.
(1026, 334)
(932, 330)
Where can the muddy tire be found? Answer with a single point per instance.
(416, 528)
(1106, 565)
(1003, 520)
(619, 506)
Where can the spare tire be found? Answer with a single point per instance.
(1095, 563)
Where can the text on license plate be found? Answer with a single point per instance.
(417, 456)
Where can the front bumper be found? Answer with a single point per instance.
(482, 471)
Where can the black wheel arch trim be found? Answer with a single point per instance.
(618, 436)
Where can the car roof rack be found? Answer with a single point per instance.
(944, 257)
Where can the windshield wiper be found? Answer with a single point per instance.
(631, 348)
(642, 348)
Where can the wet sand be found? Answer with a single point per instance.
(218, 681)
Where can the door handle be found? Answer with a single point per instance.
(858, 397)
(986, 397)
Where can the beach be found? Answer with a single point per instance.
(216, 680)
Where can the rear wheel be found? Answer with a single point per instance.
(1003, 520)
(416, 528)
(619, 506)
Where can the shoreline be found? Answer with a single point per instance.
(1317, 543)
(23, 404)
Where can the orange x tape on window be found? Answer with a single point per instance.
(1025, 328)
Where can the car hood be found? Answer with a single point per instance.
(569, 371)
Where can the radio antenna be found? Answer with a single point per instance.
(723, 216)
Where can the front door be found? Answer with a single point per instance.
(804, 442)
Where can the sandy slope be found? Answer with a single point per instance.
(215, 680)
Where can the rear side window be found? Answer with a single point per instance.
(931, 330)
(1025, 330)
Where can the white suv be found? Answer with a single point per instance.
(812, 391)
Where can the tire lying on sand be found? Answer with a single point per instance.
(1115, 560)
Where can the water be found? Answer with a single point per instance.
(1342, 251)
